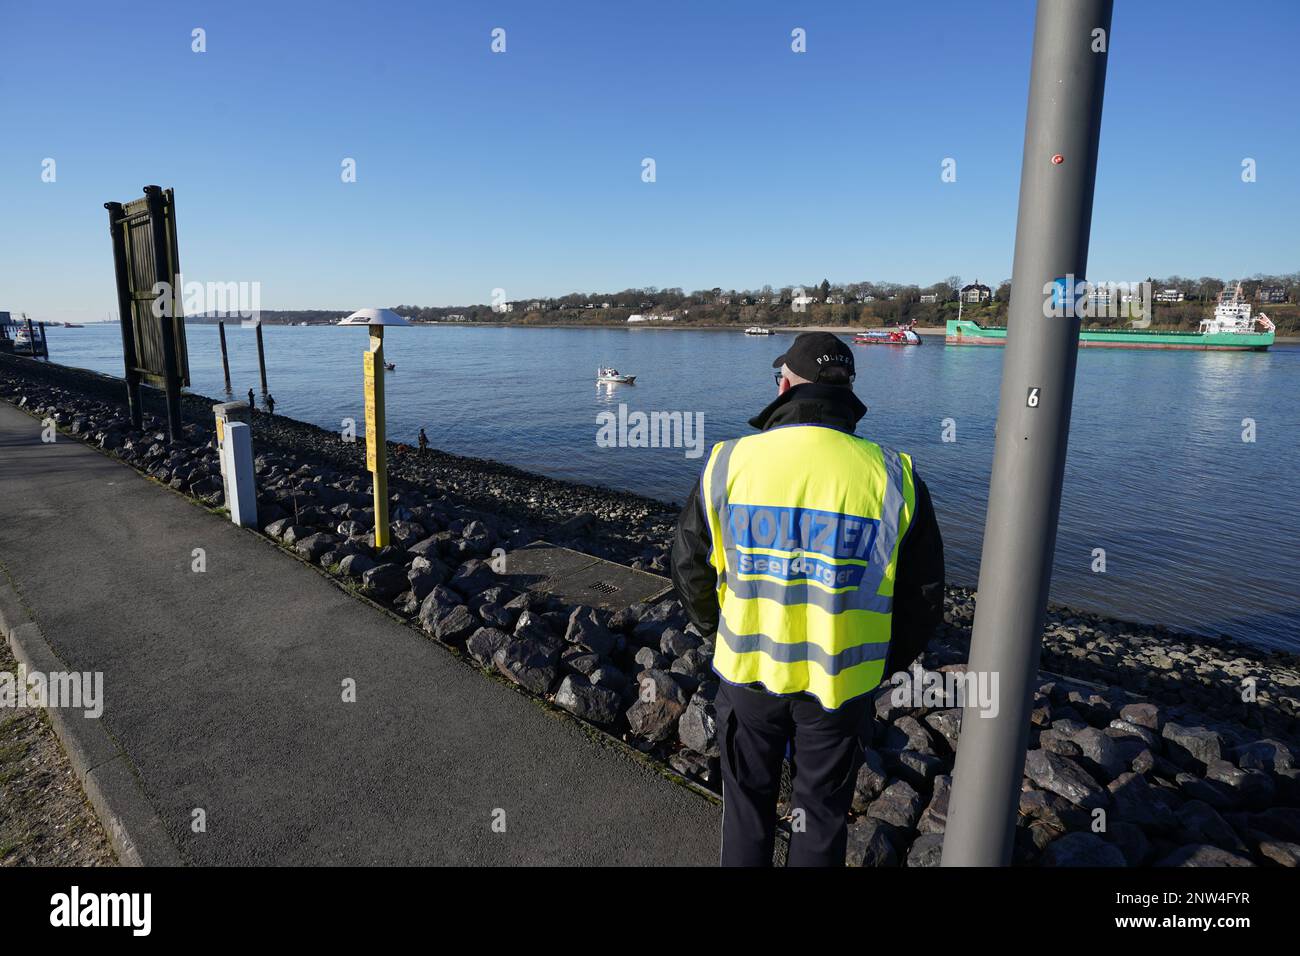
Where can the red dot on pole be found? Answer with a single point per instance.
(1058, 159)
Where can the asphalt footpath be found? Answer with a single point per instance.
(226, 738)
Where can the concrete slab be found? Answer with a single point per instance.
(581, 578)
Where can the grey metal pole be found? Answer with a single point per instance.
(1059, 168)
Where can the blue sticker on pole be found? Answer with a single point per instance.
(1060, 294)
(1065, 296)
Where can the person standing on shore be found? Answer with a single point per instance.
(270, 404)
(816, 558)
(251, 404)
(424, 442)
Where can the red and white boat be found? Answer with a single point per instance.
(904, 335)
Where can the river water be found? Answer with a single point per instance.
(1199, 527)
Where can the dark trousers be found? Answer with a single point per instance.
(755, 728)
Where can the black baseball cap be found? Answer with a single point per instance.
(819, 357)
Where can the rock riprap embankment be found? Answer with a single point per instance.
(1182, 747)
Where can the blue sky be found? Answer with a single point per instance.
(522, 170)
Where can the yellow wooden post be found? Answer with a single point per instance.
(376, 446)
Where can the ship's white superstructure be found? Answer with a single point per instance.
(1232, 314)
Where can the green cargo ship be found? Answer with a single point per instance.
(966, 332)
(1231, 330)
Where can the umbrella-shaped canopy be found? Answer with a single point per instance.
(374, 317)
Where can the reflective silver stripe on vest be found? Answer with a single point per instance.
(803, 651)
(865, 597)
(718, 501)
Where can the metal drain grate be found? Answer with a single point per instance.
(603, 587)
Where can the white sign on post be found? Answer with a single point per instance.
(237, 467)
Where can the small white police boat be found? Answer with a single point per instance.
(613, 375)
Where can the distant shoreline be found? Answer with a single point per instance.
(931, 330)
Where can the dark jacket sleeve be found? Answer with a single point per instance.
(692, 571)
(918, 585)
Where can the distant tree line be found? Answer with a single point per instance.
(852, 304)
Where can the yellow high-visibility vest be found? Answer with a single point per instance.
(805, 523)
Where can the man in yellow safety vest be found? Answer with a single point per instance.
(815, 557)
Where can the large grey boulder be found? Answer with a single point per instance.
(529, 663)
(587, 628)
(1282, 822)
(1280, 852)
(1082, 849)
(578, 696)
(946, 723)
(296, 532)
(1203, 854)
(429, 547)
(935, 817)
(276, 528)
(473, 577)
(425, 574)
(698, 727)
(1138, 803)
(1143, 714)
(899, 806)
(695, 663)
(660, 703)
(501, 615)
(869, 844)
(916, 768)
(435, 604)
(926, 850)
(385, 581)
(477, 537)
(1192, 747)
(871, 780)
(1129, 839)
(1200, 823)
(607, 675)
(533, 626)
(405, 533)
(675, 643)
(456, 625)
(579, 660)
(484, 643)
(1064, 777)
(356, 565)
(1100, 754)
(647, 658)
(908, 733)
(1123, 728)
(1252, 788)
(1267, 754)
(350, 529)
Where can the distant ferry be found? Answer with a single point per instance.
(904, 335)
(758, 330)
(1232, 329)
